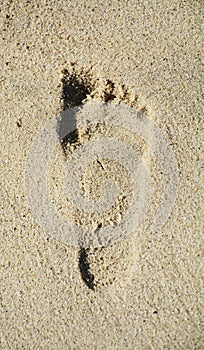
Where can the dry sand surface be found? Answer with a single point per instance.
(140, 289)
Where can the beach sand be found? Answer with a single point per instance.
(142, 291)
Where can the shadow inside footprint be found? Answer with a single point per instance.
(84, 267)
(74, 91)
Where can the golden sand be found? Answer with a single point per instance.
(146, 295)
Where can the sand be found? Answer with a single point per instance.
(142, 290)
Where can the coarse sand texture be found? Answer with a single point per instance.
(101, 169)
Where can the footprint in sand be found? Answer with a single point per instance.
(97, 193)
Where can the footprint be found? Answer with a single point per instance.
(100, 187)
(99, 267)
